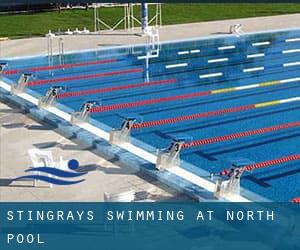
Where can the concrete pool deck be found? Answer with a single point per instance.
(108, 177)
(19, 133)
(38, 45)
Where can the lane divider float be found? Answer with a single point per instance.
(188, 96)
(265, 164)
(81, 77)
(234, 136)
(116, 88)
(65, 66)
(161, 122)
(296, 200)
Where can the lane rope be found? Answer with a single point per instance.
(268, 163)
(191, 117)
(65, 66)
(111, 89)
(160, 122)
(296, 200)
(80, 77)
(188, 96)
(240, 135)
(263, 164)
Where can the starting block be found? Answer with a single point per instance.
(226, 188)
(122, 135)
(50, 97)
(3, 65)
(41, 158)
(170, 157)
(84, 113)
(22, 84)
(231, 185)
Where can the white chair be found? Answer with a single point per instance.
(69, 32)
(40, 158)
(128, 196)
(236, 29)
(85, 31)
(77, 32)
(63, 164)
(50, 34)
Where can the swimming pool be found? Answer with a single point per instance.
(233, 98)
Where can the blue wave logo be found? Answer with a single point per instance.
(72, 165)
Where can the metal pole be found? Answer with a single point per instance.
(128, 16)
(132, 15)
(156, 14)
(61, 51)
(95, 18)
(160, 15)
(50, 53)
(144, 14)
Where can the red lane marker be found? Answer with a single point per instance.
(272, 162)
(148, 102)
(191, 117)
(110, 89)
(265, 164)
(65, 66)
(71, 78)
(240, 134)
(296, 200)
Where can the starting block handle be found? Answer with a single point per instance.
(84, 113)
(122, 135)
(169, 157)
(50, 97)
(127, 123)
(3, 65)
(22, 83)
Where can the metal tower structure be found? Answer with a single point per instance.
(129, 20)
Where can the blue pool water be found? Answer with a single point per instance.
(237, 61)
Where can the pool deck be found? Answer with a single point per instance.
(38, 45)
(106, 176)
(18, 133)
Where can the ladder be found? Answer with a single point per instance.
(61, 52)
(50, 53)
(153, 47)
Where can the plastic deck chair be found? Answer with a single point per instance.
(127, 196)
(236, 29)
(40, 158)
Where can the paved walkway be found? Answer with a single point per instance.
(35, 46)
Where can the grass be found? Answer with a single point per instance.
(38, 24)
